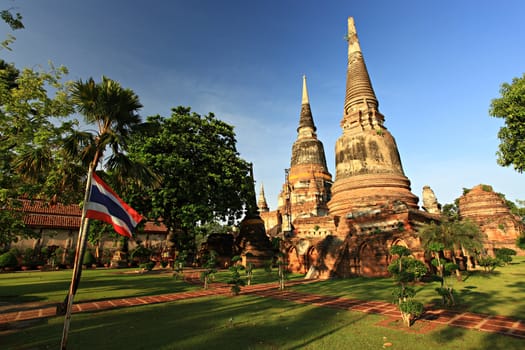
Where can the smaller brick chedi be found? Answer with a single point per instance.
(488, 209)
(307, 188)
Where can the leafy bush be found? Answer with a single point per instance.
(520, 242)
(488, 263)
(447, 294)
(141, 253)
(210, 268)
(148, 266)
(8, 260)
(505, 255)
(410, 309)
(236, 280)
(89, 259)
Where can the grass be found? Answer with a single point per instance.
(241, 322)
(498, 293)
(249, 322)
(95, 284)
(102, 284)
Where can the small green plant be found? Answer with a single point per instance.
(140, 254)
(404, 271)
(520, 242)
(268, 267)
(210, 263)
(486, 188)
(147, 266)
(9, 260)
(249, 272)
(56, 257)
(106, 257)
(178, 264)
(89, 259)
(488, 263)
(236, 281)
(282, 271)
(410, 310)
(28, 258)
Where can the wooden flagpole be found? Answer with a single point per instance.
(77, 267)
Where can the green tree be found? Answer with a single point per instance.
(14, 21)
(511, 107)
(114, 111)
(203, 178)
(32, 101)
(453, 236)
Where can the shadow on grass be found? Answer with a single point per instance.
(482, 274)
(219, 323)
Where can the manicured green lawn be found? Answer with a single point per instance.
(249, 322)
(95, 284)
(242, 322)
(98, 284)
(501, 292)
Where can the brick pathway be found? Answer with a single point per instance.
(486, 323)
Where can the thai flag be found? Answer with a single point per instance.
(105, 205)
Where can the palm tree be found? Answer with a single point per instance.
(452, 235)
(113, 110)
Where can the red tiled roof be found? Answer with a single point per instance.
(153, 227)
(52, 221)
(42, 207)
(39, 214)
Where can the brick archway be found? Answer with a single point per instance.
(372, 260)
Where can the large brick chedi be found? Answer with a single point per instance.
(368, 167)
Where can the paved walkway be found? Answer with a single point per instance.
(486, 323)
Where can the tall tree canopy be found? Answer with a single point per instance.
(31, 156)
(511, 107)
(203, 177)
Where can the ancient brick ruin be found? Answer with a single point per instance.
(488, 209)
(347, 228)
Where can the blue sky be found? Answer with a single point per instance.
(434, 65)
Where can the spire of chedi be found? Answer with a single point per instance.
(261, 202)
(308, 178)
(368, 166)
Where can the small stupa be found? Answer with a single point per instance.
(252, 243)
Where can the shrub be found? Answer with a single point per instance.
(8, 260)
(410, 309)
(520, 242)
(148, 266)
(236, 280)
(141, 253)
(488, 263)
(89, 259)
(505, 255)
